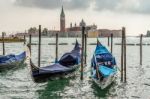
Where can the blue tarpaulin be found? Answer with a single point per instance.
(103, 60)
(12, 58)
(106, 71)
(67, 63)
(101, 50)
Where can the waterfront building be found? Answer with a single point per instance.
(107, 32)
(148, 33)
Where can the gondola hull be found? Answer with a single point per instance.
(52, 76)
(103, 66)
(17, 60)
(66, 66)
(105, 82)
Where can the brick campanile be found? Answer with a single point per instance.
(62, 21)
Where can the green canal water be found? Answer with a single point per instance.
(17, 82)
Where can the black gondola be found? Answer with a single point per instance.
(66, 66)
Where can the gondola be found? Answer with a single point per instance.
(66, 66)
(11, 60)
(103, 66)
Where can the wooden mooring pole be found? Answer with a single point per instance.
(30, 37)
(125, 55)
(24, 39)
(85, 56)
(108, 41)
(122, 54)
(3, 41)
(39, 48)
(56, 60)
(141, 38)
(82, 52)
(111, 43)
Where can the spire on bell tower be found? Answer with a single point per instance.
(62, 20)
(62, 12)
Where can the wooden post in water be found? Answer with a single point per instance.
(24, 39)
(111, 43)
(122, 54)
(82, 52)
(125, 55)
(30, 37)
(39, 48)
(108, 40)
(85, 56)
(3, 43)
(141, 49)
(56, 60)
(30, 46)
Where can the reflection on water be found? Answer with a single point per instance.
(109, 91)
(6, 70)
(53, 89)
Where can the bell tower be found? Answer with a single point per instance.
(62, 20)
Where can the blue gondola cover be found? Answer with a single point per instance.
(104, 60)
(67, 63)
(106, 71)
(12, 58)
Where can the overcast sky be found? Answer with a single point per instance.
(18, 15)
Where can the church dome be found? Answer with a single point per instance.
(82, 23)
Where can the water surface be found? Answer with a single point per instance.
(17, 83)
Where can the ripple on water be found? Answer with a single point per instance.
(17, 83)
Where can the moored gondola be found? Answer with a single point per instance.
(66, 66)
(11, 60)
(103, 66)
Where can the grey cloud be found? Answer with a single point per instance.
(106, 4)
(132, 6)
(144, 7)
(54, 4)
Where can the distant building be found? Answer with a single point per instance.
(52, 33)
(33, 31)
(82, 23)
(76, 30)
(62, 21)
(107, 32)
(148, 33)
(92, 31)
(20, 35)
